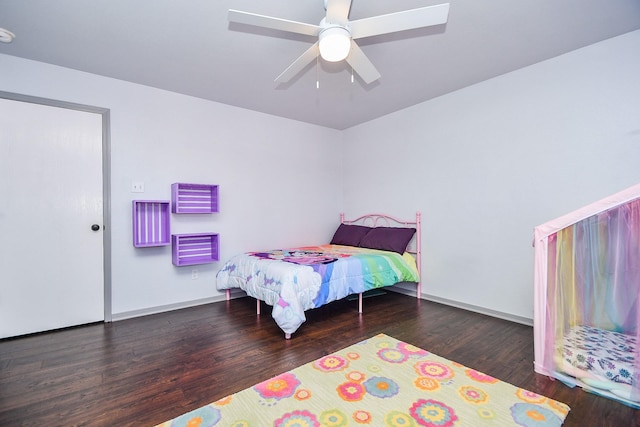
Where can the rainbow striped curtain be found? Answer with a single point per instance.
(588, 279)
(597, 271)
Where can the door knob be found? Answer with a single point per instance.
(95, 227)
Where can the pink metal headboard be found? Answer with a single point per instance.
(382, 220)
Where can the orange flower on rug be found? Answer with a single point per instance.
(379, 382)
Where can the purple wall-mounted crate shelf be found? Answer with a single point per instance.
(151, 223)
(196, 248)
(194, 198)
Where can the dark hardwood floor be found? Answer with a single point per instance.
(150, 369)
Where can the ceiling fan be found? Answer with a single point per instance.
(336, 34)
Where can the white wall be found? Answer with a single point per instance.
(487, 163)
(279, 179)
(484, 165)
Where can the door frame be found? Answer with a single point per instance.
(106, 180)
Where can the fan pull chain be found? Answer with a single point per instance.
(351, 74)
(318, 72)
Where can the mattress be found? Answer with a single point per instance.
(600, 358)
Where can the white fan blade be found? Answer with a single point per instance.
(400, 21)
(297, 66)
(338, 11)
(273, 23)
(361, 64)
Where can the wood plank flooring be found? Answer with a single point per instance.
(143, 371)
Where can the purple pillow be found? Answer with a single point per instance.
(393, 239)
(349, 235)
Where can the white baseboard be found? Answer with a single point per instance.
(403, 291)
(465, 306)
(164, 308)
(400, 290)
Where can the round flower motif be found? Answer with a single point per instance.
(333, 418)
(362, 417)
(384, 344)
(486, 414)
(392, 355)
(529, 396)
(224, 401)
(480, 377)
(240, 423)
(302, 394)
(559, 406)
(432, 413)
(399, 419)
(353, 356)
(298, 419)
(528, 415)
(434, 370)
(351, 391)
(381, 387)
(374, 368)
(411, 350)
(278, 387)
(331, 363)
(355, 376)
(204, 416)
(426, 383)
(473, 395)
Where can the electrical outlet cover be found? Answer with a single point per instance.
(137, 187)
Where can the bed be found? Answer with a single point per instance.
(370, 252)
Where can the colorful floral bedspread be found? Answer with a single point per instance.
(380, 382)
(299, 279)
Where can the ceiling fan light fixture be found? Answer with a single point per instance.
(335, 44)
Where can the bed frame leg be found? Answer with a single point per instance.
(360, 302)
(287, 336)
(257, 306)
(228, 294)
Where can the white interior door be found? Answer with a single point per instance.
(51, 261)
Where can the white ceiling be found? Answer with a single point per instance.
(189, 47)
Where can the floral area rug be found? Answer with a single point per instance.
(379, 382)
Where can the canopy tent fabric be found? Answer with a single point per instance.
(587, 280)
